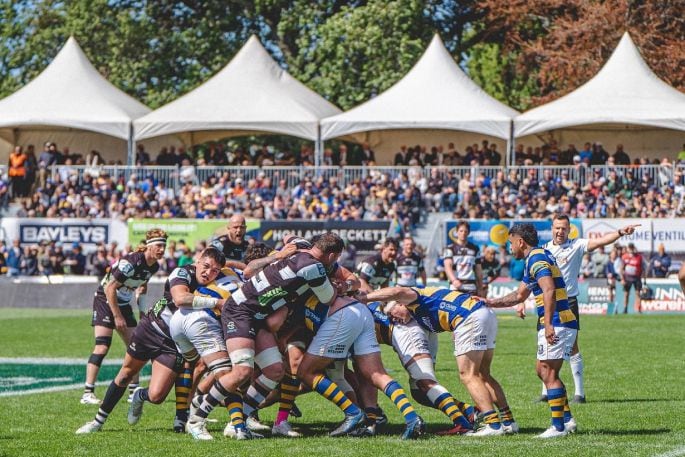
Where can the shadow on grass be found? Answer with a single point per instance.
(632, 400)
(656, 431)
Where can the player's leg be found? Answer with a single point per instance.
(115, 391)
(164, 372)
(576, 360)
(126, 336)
(270, 362)
(497, 393)
(289, 388)
(103, 341)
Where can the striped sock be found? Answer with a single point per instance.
(330, 390)
(89, 388)
(112, 397)
(491, 418)
(216, 395)
(290, 386)
(395, 393)
(506, 415)
(182, 386)
(143, 394)
(132, 387)
(445, 402)
(567, 411)
(556, 399)
(257, 392)
(234, 404)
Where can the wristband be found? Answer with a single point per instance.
(204, 302)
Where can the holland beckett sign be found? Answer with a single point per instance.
(364, 235)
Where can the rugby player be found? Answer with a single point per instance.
(474, 327)
(568, 254)
(112, 308)
(409, 265)
(233, 244)
(375, 271)
(251, 315)
(344, 327)
(150, 341)
(462, 263)
(557, 325)
(417, 354)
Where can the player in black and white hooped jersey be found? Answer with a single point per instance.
(409, 265)
(112, 304)
(233, 244)
(462, 262)
(257, 310)
(375, 271)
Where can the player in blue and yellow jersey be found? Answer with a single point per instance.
(474, 326)
(557, 325)
(417, 353)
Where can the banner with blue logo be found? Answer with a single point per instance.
(495, 232)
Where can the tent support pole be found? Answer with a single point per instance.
(510, 146)
(318, 148)
(130, 157)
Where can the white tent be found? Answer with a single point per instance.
(624, 103)
(72, 104)
(251, 94)
(428, 104)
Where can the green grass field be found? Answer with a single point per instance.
(634, 382)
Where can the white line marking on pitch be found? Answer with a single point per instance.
(53, 361)
(58, 388)
(674, 453)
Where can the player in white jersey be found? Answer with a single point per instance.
(569, 255)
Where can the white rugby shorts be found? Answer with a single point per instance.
(350, 329)
(409, 340)
(562, 348)
(195, 329)
(477, 332)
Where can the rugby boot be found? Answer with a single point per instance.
(90, 427)
(349, 424)
(510, 428)
(253, 423)
(89, 398)
(414, 429)
(295, 411)
(197, 427)
(135, 410)
(285, 429)
(458, 429)
(570, 425)
(552, 432)
(488, 430)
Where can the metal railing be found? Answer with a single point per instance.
(175, 177)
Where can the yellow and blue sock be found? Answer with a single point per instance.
(182, 386)
(506, 416)
(567, 411)
(330, 390)
(491, 418)
(234, 405)
(395, 392)
(445, 402)
(556, 399)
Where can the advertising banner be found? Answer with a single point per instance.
(364, 235)
(495, 232)
(88, 233)
(189, 230)
(642, 238)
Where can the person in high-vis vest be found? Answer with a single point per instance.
(17, 172)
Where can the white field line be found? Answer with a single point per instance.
(53, 361)
(57, 388)
(674, 453)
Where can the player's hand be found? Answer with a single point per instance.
(551, 336)
(456, 283)
(360, 296)
(520, 310)
(630, 229)
(285, 252)
(120, 323)
(400, 314)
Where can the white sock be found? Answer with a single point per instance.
(577, 371)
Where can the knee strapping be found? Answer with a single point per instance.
(219, 365)
(96, 359)
(422, 369)
(268, 357)
(243, 357)
(103, 341)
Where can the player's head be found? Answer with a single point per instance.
(408, 245)
(561, 227)
(330, 246)
(522, 237)
(256, 251)
(209, 265)
(155, 242)
(463, 230)
(236, 228)
(389, 250)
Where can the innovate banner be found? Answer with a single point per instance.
(495, 232)
(595, 298)
(189, 230)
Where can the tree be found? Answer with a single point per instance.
(561, 44)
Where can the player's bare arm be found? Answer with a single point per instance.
(611, 237)
(511, 299)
